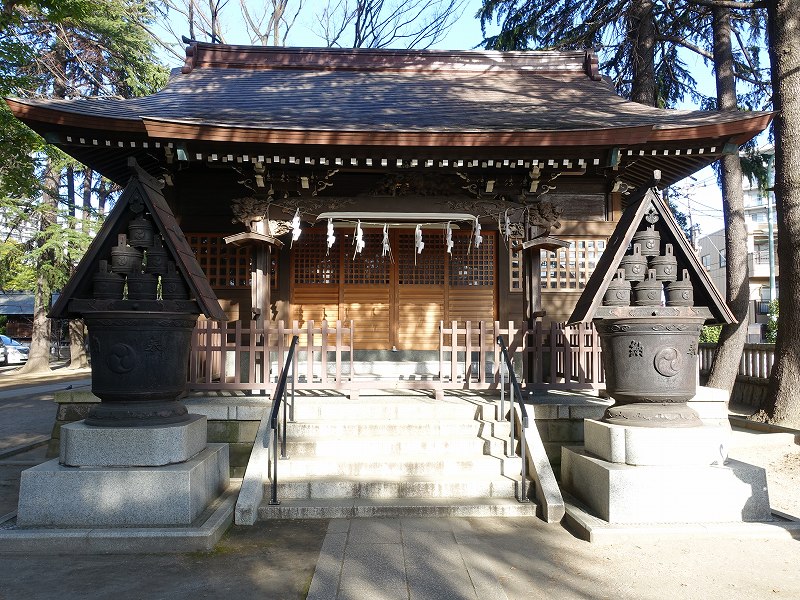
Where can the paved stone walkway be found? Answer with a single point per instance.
(402, 559)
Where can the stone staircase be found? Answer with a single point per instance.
(396, 455)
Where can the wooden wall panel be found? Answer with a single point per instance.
(368, 306)
(315, 302)
(471, 304)
(420, 310)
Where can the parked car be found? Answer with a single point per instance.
(16, 352)
(3, 354)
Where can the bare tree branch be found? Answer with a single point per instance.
(384, 23)
(731, 4)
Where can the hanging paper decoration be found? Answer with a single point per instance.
(331, 235)
(418, 243)
(449, 238)
(359, 239)
(477, 233)
(295, 227)
(387, 249)
(508, 227)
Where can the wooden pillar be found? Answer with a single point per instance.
(260, 292)
(531, 275)
(260, 288)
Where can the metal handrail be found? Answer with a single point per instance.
(514, 391)
(277, 400)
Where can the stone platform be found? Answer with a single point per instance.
(649, 446)
(52, 495)
(83, 445)
(149, 476)
(662, 475)
(620, 493)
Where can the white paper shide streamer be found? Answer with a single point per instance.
(331, 235)
(418, 243)
(449, 238)
(296, 226)
(477, 233)
(359, 239)
(387, 249)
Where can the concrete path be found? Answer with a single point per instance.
(398, 559)
(27, 413)
(524, 558)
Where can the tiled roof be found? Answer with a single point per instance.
(411, 91)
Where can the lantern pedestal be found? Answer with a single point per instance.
(96, 496)
(128, 477)
(667, 493)
(633, 474)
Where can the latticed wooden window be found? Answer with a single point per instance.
(471, 266)
(313, 264)
(570, 268)
(226, 265)
(430, 265)
(514, 265)
(369, 267)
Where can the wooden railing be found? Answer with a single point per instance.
(227, 356)
(554, 356)
(756, 361)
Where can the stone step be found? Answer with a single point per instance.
(398, 507)
(417, 465)
(406, 487)
(373, 428)
(335, 409)
(391, 446)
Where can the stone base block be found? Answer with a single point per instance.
(711, 405)
(622, 444)
(52, 495)
(88, 446)
(620, 493)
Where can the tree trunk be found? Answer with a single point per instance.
(783, 402)
(643, 38)
(39, 356)
(732, 338)
(77, 353)
(103, 192)
(77, 347)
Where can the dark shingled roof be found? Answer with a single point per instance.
(390, 90)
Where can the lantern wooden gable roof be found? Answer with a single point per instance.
(141, 188)
(706, 295)
(240, 102)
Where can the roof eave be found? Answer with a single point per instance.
(32, 114)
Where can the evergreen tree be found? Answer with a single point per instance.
(783, 404)
(62, 49)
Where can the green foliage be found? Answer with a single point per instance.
(60, 49)
(610, 27)
(772, 323)
(681, 217)
(576, 25)
(3, 321)
(17, 271)
(709, 334)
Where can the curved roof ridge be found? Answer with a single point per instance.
(207, 55)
